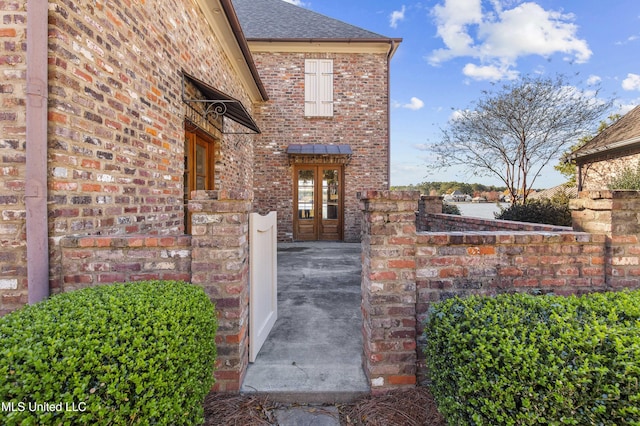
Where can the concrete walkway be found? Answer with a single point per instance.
(314, 352)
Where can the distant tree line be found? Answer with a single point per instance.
(440, 188)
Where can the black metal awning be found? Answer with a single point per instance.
(219, 104)
(318, 149)
(316, 152)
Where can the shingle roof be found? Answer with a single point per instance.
(563, 189)
(619, 135)
(277, 19)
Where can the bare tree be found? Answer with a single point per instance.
(514, 132)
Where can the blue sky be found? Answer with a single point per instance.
(452, 50)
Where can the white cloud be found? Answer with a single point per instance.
(629, 39)
(497, 37)
(489, 72)
(396, 16)
(414, 105)
(593, 79)
(453, 19)
(632, 82)
(528, 29)
(296, 2)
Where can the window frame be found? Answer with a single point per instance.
(192, 139)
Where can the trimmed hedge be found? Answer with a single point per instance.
(139, 353)
(533, 360)
(538, 211)
(450, 209)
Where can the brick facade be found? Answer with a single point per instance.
(115, 125)
(13, 281)
(598, 174)
(116, 114)
(361, 108)
(116, 149)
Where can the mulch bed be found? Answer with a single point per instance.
(409, 407)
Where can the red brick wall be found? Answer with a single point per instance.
(13, 290)
(220, 265)
(215, 257)
(360, 120)
(389, 288)
(404, 271)
(616, 214)
(93, 260)
(489, 263)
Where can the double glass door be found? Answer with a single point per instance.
(318, 203)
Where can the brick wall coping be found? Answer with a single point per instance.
(222, 194)
(389, 195)
(497, 224)
(607, 194)
(505, 237)
(125, 241)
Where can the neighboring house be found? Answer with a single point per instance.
(112, 113)
(457, 196)
(557, 191)
(612, 150)
(325, 128)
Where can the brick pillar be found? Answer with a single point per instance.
(616, 214)
(220, 264)
(428, 204)
(389, 288)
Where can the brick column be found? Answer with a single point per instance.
(428, 204)
(616, 214)
(389, 288)
(220, 264)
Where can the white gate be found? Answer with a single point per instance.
(263, 289)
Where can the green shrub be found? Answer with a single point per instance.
(450, 209)
(628, 178)
(536, 360)
(538, 211)
(139, 353)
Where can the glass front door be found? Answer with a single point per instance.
(318, 203)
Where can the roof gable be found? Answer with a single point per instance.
(619, 135)
(277, 19)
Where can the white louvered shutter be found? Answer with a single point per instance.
(318, 87)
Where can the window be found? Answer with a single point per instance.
(198, 167)
(318, 88)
